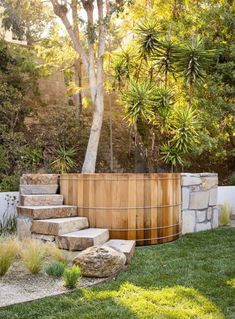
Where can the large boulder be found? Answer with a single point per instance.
(100, 261)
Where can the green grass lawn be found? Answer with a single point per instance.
(193, 277)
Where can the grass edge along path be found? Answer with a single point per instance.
(193, 277)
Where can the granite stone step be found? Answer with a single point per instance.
(127, 247)
(44, 212)
(38, 189)
(59, 226)
(82, 239)
(41, 200)
(39, 179)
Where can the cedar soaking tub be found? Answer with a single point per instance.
(142, 207)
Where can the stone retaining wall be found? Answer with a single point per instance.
(199, 202)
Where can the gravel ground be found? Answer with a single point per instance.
(19, 286)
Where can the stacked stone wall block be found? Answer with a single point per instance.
(199, 202)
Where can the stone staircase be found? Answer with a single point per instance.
(42, 216)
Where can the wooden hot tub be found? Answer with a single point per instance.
(143, 207)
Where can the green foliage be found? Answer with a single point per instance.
(71, 276)
(232, 179)
(55, 269)
(138, 101)
(171, 155)
(32, 255)
(124, 65)
(18, 94)
(8, 252)
(192, 60)
(224, 214)
(164, 99)
(147, 38)
(164, 58)
(184, 127)
(64, 161)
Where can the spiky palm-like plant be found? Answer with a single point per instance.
(147, 39)
(123, 66)
(164, 58)
(64, 161)
(163, 100)
(192, 61)
(171, 155)
(183, 127)
(138, 101)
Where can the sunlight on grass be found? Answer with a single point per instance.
(177, 302)
(231, 282)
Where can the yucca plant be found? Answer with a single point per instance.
(164, 58)
(123, 66)
(164, 99)
(171, 155)
(138, 101)
(147, 39)
(193, 60)
(184, 127)
(64, 161)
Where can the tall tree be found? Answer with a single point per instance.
(89, 43)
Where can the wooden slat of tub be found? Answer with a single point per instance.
(103, 198)
(132, 202)
(147, 211)
(167, 210)
(64, 188)
(119, 216)
(154, 202)
(139, 211)
(75, 190)
(80, 195)
(89, 199)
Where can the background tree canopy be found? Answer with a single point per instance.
(169, 83)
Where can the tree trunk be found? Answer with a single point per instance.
(93, 143)
(78, 81)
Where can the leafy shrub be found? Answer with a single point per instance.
(71, 276)
(224, 214)
(33, 255)
(55, 269)
(232, 179)
(8, 251)
(9, 183)
(55, 253)
(64, 161)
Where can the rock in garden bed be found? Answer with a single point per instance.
(100, 262)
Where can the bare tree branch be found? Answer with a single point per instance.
(61, 11)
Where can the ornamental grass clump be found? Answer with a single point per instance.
(33, 254)
(224, 215)
(55, 253)
(8, 252)
(71, 276)
(55, 269)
